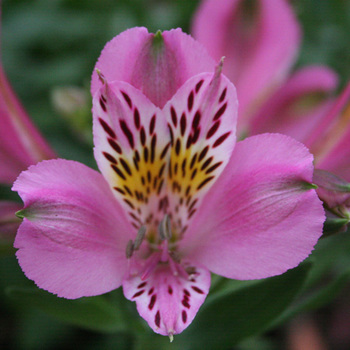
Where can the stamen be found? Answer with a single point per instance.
(100, 76)
(129, 249)
(140, 236)
(171, 336)
(165, 228)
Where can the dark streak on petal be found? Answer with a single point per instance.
(157, 319)
(196, 120)
(206, 163)
(107, 128)
(220, 112)
(125, 165)
(213, 130)
(152, 301)
(198, 85)
(143, 136)
(109, 157)
(223, 95)
(184, 316)
(127, 132)
(183, 124)
(137, 294)
(118, 171)
(152, 124)
(137, 118)
(221, 139)
(173, 116)
(204, 182)
(127, 98)
(212, 168)
(196, 289)
(190, 101)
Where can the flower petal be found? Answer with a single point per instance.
(202, 121)
(156, 64)
(168, 302)
(73, 237)
(259, 40)
(261, 217)
(299, 105)
(132, 140)
(21, 144)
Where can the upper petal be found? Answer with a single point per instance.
(259, 40)
(73, 237)
(261, 217)
(156, 64)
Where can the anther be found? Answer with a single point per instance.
(139, 237)
(164, 228)
(129, 249)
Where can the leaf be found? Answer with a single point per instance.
(94, 313)
(247, 311)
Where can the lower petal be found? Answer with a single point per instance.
(73, 236)
(169, 299)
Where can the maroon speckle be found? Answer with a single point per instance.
(107, 128)
(206, 163)
(186, 292)
(137, 118)
(119, 190)
(143, 136)
(171, 134)
(173, 116)
(184, 316)
(115, 146)
(102, 104)
(137, 294)
(118, 171)
(203, 153)
(152, 124)
(188, 189)
(221, 139)
(127, 98)
(170, 290)
(127, 189)
(150, 291)
(178, 146)
(152, 301)
(196, 289)
(153, 147)
(109, 157)
(183, 124)
(198, 85)
(129, 203)
(220, 112)
(145, 154)
(157, 319)
(212, 168)
(127, 133)
(190, 101)
(194, 158)
(185, 304)
(193, 204)
(204, 182)
(189, 141)
(141, 285)
(191, 214)
(196, 135)
(165, 150)
(223, 95)
(213, 130)
(125, 166)
(196, 120)
(194, 172)
(161, 170)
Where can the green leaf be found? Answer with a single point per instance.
(94, 313)
(247, 311)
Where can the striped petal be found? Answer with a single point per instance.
(168, 301)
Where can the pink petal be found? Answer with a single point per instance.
(20, 142)
(332, 148)
(73, 237)
(261, 217)
(202, 121)
(157, 64)
(297, 108)
(168, 302)
(259, 40)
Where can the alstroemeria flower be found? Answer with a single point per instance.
(177, 197)
(21, 144)
(260, 40)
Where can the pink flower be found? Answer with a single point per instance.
(260, 40)
(21, 144)
(178, 198)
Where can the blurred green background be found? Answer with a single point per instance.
(48, 44)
